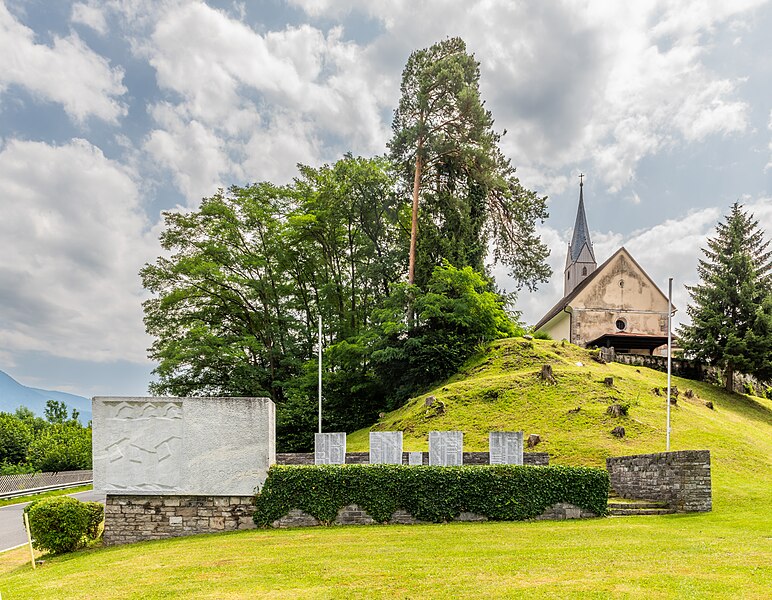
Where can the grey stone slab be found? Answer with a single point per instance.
(198, 446)
(506, 447)
(415, 458)
(446, 448)
(386, 447)
(329, 448)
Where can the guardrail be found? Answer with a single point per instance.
(32, 483)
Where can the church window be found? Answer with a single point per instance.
(584, 271)
(621, 283)
(621, 324)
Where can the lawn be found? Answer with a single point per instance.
(726, 553)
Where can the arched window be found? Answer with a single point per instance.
(584, 271)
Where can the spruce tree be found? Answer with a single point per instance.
(731, 308)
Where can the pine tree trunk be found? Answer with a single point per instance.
(729, 379)
(414, 223)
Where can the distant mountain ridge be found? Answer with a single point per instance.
(13, 395)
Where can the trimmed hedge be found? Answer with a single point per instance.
(436, 494)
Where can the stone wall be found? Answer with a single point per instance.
(363, 458)
(682, 479)
(136, 518)
(688, 369)
(355, 515)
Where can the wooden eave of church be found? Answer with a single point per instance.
(566, 300)
(637, 341)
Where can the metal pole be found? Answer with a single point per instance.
(669, 352)
(320, 373)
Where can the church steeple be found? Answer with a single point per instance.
(580, 261)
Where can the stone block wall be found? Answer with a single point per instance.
(363, 458)
(355, 515)
(137, 518)
(682, 479)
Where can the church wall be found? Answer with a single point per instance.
(559, 328)
(620, 292)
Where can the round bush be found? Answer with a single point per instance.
(62, 524)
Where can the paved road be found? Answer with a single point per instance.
(12, 524)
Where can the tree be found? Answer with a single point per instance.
(15, 436)
(731, 310)
(62, 447)
(55, 411)
(444, 144)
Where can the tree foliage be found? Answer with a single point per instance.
(731, 310)
(448, 155)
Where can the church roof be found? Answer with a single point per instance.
(581, 232)
(566, 300)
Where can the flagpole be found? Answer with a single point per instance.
(320, 373)
(669, 352)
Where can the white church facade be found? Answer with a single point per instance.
(614, 305)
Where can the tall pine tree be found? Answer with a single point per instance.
(731, 311)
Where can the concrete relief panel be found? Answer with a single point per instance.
(506, 447)
(386, 447)
(207, 446)
(329, 448)
(446, 448)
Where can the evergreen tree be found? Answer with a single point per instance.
(731, 311)
(448, 155)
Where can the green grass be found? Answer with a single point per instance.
(20, 499)
(725, 553)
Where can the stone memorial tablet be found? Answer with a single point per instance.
(386, 447)
(506, 447)
(329, 448)
(415, 458)
(446, 448)
(192, 446)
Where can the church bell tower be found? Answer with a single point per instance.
(580, 261)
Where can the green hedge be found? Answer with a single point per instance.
(63, 524)
(436, 494)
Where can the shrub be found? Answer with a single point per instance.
(61, 448)
(541, 335)
(63, 524)
(749, 389)
(15, 436)
(500, 492)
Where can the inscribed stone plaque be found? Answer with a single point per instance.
(386, 447)
(506, 447)
(446, 448)
(329, 448)
(415, 458)
(197, 446)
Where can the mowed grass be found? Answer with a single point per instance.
(723, 554)
(50, 494)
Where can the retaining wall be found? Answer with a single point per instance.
(540, 459)
(682, 479)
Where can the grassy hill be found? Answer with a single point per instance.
(501, 389)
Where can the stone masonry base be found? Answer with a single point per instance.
(136, 518)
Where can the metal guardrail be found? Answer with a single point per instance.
(31, 483)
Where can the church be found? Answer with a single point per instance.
(614, 305)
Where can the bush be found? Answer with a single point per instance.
(437, 494)
(63, 524)
(15, 436)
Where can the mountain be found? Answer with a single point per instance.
(13, 394)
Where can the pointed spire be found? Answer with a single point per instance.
(581, 230)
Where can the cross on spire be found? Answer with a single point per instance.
(581, 177)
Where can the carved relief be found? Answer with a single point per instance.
(147, 455)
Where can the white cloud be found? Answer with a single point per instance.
(769, 126)
(73, 237)
(247, 106)
(68, 73)
(607, 83)
(91, 15)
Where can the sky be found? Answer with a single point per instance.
(113, 111)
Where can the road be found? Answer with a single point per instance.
(12, 525)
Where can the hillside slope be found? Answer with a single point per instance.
(500, 389)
